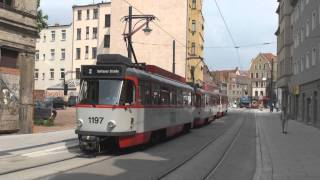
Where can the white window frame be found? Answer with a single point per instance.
(36, 74)
(51, 74)
(313, 56)
(52, 53)
(62, 70)
(63, 35)
(63, 54)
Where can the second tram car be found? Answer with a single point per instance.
(126, 104)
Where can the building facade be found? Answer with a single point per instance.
(263, 75)
(91, 34)
(196, 67)
(235, 83)
(155, 48)
(302, 96)
(53, 57)
(17, 47)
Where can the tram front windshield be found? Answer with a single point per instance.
(106, 92)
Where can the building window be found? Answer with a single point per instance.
(302, 64)
(261, 93)
(193, 48)
(107, 41)
(36, 73)
(256, 93)
(44, 38)
(53, 36)
(313, 57)
(255, 67)
(79, 15)
(308, 60)
(63, 54)
(44, 56)
(63, 35)
(95, 14)
(313, 22)
(87, 52)
(193, 26)
(94, 53)
(87, 32)
(37, 55)
(107, 20)
(78, 34)
(94, 33)
(78, 53)
(307, 28)
(62, 73)
(257, 84)
(88, 14)
(78, 73)
(52, 52)
(194, 4)
(6, 3)
(51, 74)
(43, 76)
(257, 75)
(251, 75)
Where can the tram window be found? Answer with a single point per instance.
(147, 93)
(155, 94)
(103, 92)
(142, 92)
(173, 97)
(164, 96)
(128, 93)
(186, 98)
(179, 97)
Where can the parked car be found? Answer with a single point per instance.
(44, 110)
(72, 101)
(57, 102)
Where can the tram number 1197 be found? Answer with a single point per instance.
(95, 120)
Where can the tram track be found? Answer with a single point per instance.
(78, 155)
(198, 152)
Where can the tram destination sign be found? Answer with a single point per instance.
(105, 71)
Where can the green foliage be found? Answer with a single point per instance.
(41, 18)
(43, 122)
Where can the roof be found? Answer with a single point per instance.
(269, 56)
(88, 5)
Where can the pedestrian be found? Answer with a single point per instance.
(284, 119)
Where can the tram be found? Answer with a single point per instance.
(125, 104)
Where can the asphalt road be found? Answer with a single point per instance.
(225, 149)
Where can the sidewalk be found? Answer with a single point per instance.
(294, 156)
(11, 144)
(65, 120)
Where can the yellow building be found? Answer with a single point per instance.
(195, 42)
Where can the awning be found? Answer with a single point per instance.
(72, 85)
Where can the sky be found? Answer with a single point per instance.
(251, 22)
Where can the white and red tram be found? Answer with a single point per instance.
(126, 104)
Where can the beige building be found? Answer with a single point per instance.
(155, 48)
(17, 46)
(91, 34)
(53, 58)
(263, 75)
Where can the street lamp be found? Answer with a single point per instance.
(131, 31)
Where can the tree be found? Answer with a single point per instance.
(41, 19)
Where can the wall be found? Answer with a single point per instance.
(155, 48)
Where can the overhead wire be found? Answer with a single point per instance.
(229, 32)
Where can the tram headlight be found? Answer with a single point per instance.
(111, 124)
(79, 123)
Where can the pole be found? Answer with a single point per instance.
(130, 31)
(271, 86)
(174, 57)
